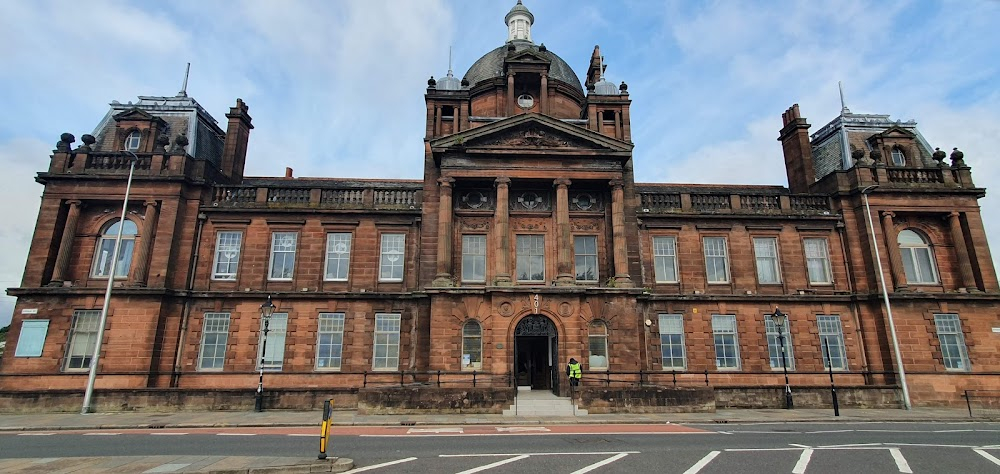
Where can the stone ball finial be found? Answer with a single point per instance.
(161, 144)
(465, 82)
(179, 143)
(431, 82)
(939, 156)
(88, 139)
(857, 155)
(876, 155)
(64, 141)
(542, 48)
(511, 47)
(623, 87)
(591, 87)
(957, 157)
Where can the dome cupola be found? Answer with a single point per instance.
(519, 21)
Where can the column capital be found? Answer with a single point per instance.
(149, 203)
(73, 202)
(888, 214)
(502, 181)
(954, 214)
(445, 182)
(616, 183)
(561, 182)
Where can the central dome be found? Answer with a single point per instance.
(491, 65)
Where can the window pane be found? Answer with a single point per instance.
(393, 248)
(472, 346)
(530, 258)
(283, 255)
(716, 260)
(215, 335)
(766, 252)
(598, 345)
(953, 349)
(227, 255)
(386, 341)
(672, 341)
(330, 345)
(474, 258)
(832, 337)
(775, 346)
(83, 339)
(726, 346)
(274, 344)
(338, 256)
(665, 259)
(817, 260)
(32, 338)
(585, 252)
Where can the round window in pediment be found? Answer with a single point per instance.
(525, 101)
(584, 202)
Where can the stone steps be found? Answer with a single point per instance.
(542, 403)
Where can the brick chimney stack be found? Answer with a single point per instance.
(234, 153)
(794, 137)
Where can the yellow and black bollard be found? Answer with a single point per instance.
(324, 437)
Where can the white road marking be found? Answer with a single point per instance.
(925, 445)
(900, 460)
(35, 434)
(303, 435)
(376, 466)
(532, 454)
(953, 431)
(599, 464)
(521, 429)
(101, 434)
(702, 463)
(800, 467)
(724, 432)
(495, 464)
(530, 433)
(737, 450)
(854, 445)
(989, 457)
(434, 430)
(799, 445)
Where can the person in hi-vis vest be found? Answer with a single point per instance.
(574, 372)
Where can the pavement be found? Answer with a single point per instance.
(52, 422)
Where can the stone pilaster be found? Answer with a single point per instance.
(961, 252)
(564, 259)
(501, 226)
(622, 278)
(66, 244)
(150, 216)
(892, 248)
(443, 277)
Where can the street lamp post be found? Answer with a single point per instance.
(266, 310)
(89, 392)
(779, 319)
(885, 297)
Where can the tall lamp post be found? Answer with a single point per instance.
(779, 319)
(885, 297)
(89, 392)
(266, 310)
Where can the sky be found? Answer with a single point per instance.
(335, 88)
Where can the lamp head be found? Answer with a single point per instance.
(869, 189)
(779, 318)
(267, 309)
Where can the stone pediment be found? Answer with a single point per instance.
(896, 132)
(532, 132)
(528, 56)
(135, 114)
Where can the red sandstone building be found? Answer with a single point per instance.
(527, 242)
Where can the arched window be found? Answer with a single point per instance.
(132, 141)
(598, 346)
(106, 247)
(472, 346)
(898, 157)
(918, 259)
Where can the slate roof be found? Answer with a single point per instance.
(491, 65)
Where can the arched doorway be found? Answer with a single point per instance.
(536, 350)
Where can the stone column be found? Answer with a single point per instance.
(544, 95)
(564, 260)
(454, 119)
(892, 248)
(622, 278)
(962, 252)
(437, 120)
(443, 277)
(145, 244)
(510, 94)
(618, 125)
(66, 244)
(501, 226)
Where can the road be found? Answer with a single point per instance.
(689, 449)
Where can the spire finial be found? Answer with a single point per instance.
(184, 87)
(843, 105)
(449, 60)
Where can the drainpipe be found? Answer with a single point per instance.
(186, 312)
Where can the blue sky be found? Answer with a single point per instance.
(336, 88)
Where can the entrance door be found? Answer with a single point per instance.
(535, 353)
